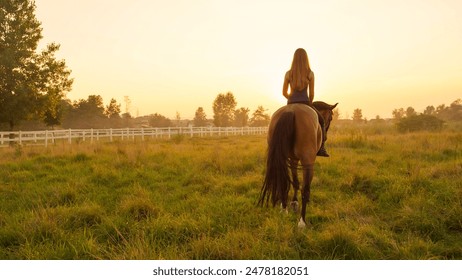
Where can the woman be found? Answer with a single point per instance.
(301, 79)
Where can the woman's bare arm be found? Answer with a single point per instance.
(285, 86)
(311, 87)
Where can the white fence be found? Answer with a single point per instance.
(46, 137)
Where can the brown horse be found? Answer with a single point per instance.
(294, 137)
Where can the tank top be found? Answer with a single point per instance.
(299, 96)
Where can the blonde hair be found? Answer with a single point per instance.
(299, 73)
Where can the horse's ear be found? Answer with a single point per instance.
(333, 106)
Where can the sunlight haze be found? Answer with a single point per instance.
(176, 56)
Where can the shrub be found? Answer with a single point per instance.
(420, 122)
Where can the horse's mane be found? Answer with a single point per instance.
(320, 105)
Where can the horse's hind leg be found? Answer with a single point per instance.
(308, 172)
(295, 184)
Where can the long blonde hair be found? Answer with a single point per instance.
(299, 73)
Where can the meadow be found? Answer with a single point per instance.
(381, 195)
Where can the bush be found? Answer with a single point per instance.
(420, 122)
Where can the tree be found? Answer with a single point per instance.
(92, 108)
(241, 117)
(157, 120)
(54, 117)
(452, 112)
(200, 119)
(223, 109)
(410, 112)
(430, 110)
(455, 110)
(127, 120)
(112, 110)
(440, 109)
(259, 117)
(398, 114)
(87, 113)
(31, 83)
(358, 115)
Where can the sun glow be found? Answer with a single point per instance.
(362, 54)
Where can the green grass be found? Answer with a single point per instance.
(379, 196)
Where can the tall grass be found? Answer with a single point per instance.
(379, 196)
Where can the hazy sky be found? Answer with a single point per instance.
(175, 56)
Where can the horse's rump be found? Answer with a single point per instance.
(308, 137)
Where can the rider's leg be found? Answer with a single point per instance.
(322, 151)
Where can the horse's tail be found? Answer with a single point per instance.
(277, 179)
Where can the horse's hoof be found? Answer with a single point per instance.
(301, 224)
(294, 206)
(284, 210)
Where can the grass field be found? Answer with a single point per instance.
(381, 195)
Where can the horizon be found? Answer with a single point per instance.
(177, 56)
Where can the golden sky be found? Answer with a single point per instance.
(175, 56)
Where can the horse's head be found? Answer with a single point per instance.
(326, 111)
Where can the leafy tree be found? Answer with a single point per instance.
(430, 110)
(31, 83)
(357, 115)
(157, 120)
(127, 120)
(440, 108)
(113, 110)
(200, 119)
(126, 116)
(449, 113)
(456, 108)
(259, 117)
(87, 113)
(53, 117)
(398, 114)
(223, 109)
(92, 108)
(410, 112)
(241, 117)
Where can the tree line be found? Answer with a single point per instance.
(449, 113)
(432, 118)
(34, 84)
(225, 114)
